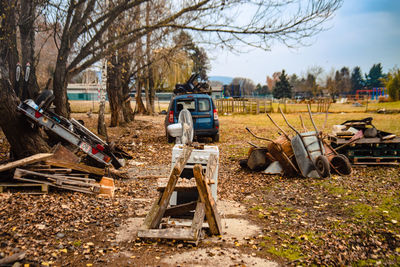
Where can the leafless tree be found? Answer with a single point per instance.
(80, 28)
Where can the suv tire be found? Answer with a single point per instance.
(215, 138)
(170, 139)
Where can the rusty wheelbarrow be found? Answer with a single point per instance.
(309, 151)
(281, 150)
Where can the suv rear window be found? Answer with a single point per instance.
(185, 103)
(203, 104)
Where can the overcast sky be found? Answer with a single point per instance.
(362, 33)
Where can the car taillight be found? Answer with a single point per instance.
(215, 114)
(171, 116)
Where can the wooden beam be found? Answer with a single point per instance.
(180, 209)
(25, 161)
(168, 233)
(198, 220)
(153, 218)
(77, 167)
(211, 211)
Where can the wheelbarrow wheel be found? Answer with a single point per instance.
(243, 163)
(341, 164)
(322, 166)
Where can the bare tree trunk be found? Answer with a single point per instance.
(149, 74)
(152, 91)
(147, 96)
(127, 111)
(60, 83)
(27, 33)
(12, 56)
(23, 139)
(101, 124)
(140, 108)
(114, 90)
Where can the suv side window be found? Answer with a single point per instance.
(203, 104)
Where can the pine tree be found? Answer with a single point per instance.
(282, 89)
(374, 76)
(357, 81)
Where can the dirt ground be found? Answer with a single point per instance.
(267, 220)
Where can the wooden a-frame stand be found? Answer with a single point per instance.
(205, 206)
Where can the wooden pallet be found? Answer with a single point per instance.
(44, 188)
(376, 161)
(204, 207)
(79, 184)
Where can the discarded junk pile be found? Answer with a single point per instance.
(190, 191)
(306, 154)
(363, 144)
(62, 168)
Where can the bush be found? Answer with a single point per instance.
(392, 83)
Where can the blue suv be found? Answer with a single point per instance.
(202, 108)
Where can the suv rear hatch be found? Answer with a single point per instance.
(201, 111)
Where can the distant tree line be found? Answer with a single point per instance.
(337, 82)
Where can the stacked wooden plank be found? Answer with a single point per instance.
(60, 169)
(369, 151)
(70, 182)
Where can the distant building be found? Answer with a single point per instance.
(217, 89)
(81, 91)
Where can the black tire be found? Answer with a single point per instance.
(243, 163)
(322, 166)
(341, 164)
(215, 138)
(170, 139)
(44, 99)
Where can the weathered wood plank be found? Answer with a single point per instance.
(70, 180)
(211, 211)
(211, 168)
(73, 188)
(61, 153)
(76, 166)
(152, 213)
(44, 187)
(198, 220)
(180, 209)
(176, 171)
(51, 170)
(25, 161)
(182, 184)
(169, 233)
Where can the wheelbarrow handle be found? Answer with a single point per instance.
(287, 122)
(279, 128)
(311, 118)
(302, 123)
(258, 137)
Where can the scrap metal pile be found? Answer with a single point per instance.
(363, 144)
(63, 167)
(306, 154)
